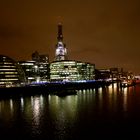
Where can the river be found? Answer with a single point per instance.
(109, 112)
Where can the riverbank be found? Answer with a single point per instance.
(129, 83)
(56, 88)
(50, 88)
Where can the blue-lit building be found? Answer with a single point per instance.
(61, 51)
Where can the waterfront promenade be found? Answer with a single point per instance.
(50, 88)
(56, 88)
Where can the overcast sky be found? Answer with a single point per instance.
(104, 32)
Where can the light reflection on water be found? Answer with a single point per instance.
(63, 111)
(125, 96)
(62, 117)
(36, 110)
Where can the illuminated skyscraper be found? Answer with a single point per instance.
(61, 51)
(63, 69)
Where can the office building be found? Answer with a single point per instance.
(11, 74)
(71, 70)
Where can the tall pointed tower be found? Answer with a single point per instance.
(61, 51)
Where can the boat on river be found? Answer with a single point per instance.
(128, 83)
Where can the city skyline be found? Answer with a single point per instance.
(105, 33)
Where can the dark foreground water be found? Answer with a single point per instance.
(106, 113)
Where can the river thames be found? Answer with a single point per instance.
(108, 113)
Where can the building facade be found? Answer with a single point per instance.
(30, 70)
(42, 63)
(11, 74)
(71, 70)
(36, 70)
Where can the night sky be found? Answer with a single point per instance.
(103, 32)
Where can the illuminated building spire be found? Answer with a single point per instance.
(61, 51)
(60, 35)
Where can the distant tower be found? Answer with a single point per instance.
(61, 51)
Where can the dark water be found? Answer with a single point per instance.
(91, 114)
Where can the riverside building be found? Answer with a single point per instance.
(11, 74)
(71, 70)
(30, 70)
(63, 69)
(36, 70)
